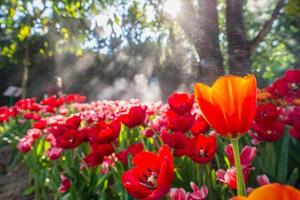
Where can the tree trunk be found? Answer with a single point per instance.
(25, 72)
(239, 51)
(201, 27)
(240, 48)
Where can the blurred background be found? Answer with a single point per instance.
(122, 49)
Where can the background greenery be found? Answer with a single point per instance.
(100, 48)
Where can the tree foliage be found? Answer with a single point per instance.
(49, 28)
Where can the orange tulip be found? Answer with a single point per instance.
(273, 191)
(229, 105)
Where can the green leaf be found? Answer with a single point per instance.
(178, 175)
(283, 159)
(18, 156)
(24, 33)
(66, 196)
(28, 191)
(293, 177)
(270, 159)
(117, 20)
(12, 11)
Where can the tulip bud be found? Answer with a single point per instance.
(25, 144)
(54, 153)
(65, 184)
(262, 180)
(178, 194)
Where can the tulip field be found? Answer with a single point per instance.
(230, 140)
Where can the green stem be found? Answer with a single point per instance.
(208, 180)
(239, 173)
(36, 188)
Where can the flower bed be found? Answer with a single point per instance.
(178, 150)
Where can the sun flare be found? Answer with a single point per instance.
(172, 7)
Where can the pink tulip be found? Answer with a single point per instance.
(247, 155)
(198, 193)
(262, 180)
(229, 177)
(178, 194)
(54, 153)
(65, 184)
(34, 133)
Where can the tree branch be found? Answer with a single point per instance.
(267, 26)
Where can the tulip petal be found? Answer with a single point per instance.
(273, 191)
(133, 186)
(164, 180)
(140, 158)
(227, 92)
(211, 113)
(229, 105)
(249, 104)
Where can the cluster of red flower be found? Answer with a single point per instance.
(179, 128)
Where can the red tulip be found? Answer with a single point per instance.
(293, 117)
(135, 117)
(93, 159)
(180, 123)
(151, 176)
(57, 129)
(287, 86)
(41, 124)
(199, 126)
(52, 101)
(266, 123)
(131, 150)
(229, 105)
(73, 122)
(266, 112)
(64, 137)
(181, 103)
(98, 151)
(188, 148)
(70, 139)
(295, 133)
(148, 132)
(174, 140)
(269, 131)
(105, 132)
(28, 115)
(27, 104)
(6, 113)
(50, 109)
(294, 121)
(204, 149)
(74, 98)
